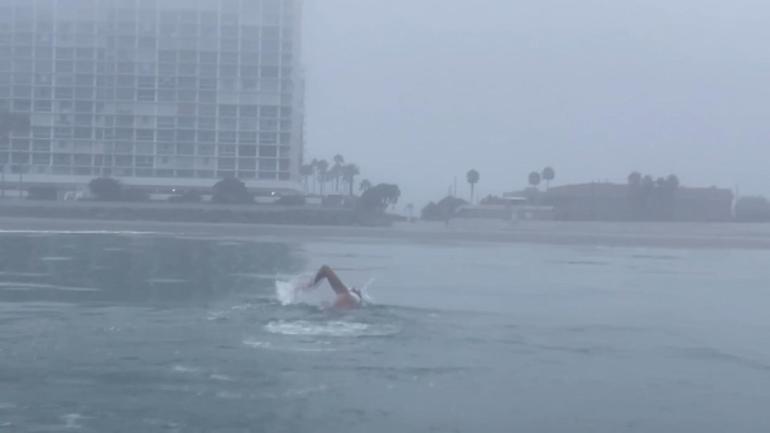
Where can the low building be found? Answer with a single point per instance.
(619, 202)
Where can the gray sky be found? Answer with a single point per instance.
(419, 91)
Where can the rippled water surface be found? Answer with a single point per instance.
(110, 332)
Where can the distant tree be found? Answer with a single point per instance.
(443, 210)
(378, 198)
(336, 171)
(635, 179)
(635, 195)
(364, 186)
(349, 173)
(473, 178)
(322, 174)
(230, 191)
(534, 179)
(314, 175)
(648, 183)
(106, 189)
(672, 182)
(549, 174)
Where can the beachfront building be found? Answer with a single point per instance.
(156, 93)
(601, 201)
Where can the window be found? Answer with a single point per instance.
(145, 134)
(22, 105)
(185, 149)
(226, 150)
(268, 151)
(166, 135)
(83, 133)
(206, 149)
(206, 136)
(83, 160)
(247, 164)
(228, 111)
(248, 137)
(226, 163)
(43, 106)
(145, 95)
(226, 136)
(268, 138)
(185, 135)
(166, 122)
(41, 158)
(247, 150)
(186, 122)
(166, 149)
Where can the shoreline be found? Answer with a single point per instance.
(650, 235)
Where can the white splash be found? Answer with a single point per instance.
(289, 292)
(221, 377)
(257, 344)
(185, 369)
(71, 420)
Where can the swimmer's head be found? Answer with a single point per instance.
(358, 294)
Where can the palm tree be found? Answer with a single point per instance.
(672, 182)
(306, 170)
(349, 173)
(635, 179)
(336, 171)
(473, 177)
(548, 175)
(322, 169)
(534, 179)
(365, 185)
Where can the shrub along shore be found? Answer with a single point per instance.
(192, 212)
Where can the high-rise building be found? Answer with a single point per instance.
(161, 93)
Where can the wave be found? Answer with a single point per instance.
(305, 347)
(335, 328)
(76, 232)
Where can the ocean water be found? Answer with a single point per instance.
(143, 332)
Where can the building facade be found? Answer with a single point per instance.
(156, 93)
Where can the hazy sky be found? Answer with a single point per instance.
(419, 91)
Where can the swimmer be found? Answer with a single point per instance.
(346, 297)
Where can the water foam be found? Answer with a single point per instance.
(336, 328)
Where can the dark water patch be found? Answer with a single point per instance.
(581, 262)
(661, 257)
(710, 354)
(138, 269)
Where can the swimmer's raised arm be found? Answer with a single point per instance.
(327, 273)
